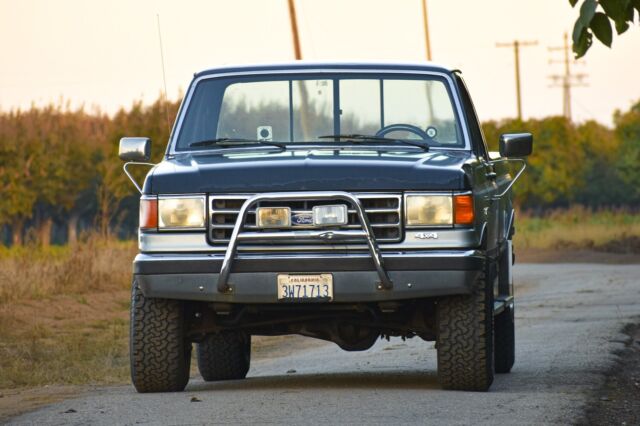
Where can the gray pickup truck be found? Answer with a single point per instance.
(342, 201)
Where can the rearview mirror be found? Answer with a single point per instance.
(135, 149)
(516, 144)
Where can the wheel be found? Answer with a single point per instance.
(504, 324)
(224, 356)
(160, 356)
(465, 338)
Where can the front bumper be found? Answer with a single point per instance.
(253, 280)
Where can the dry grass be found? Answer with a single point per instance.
(95, 264)
(616, 231)
(63, 313)
(64, 339)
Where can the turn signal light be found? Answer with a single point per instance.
(463, 210)
(148, 213)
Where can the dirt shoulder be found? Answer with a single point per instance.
(617, 402)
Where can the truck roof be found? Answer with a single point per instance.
(325, 65)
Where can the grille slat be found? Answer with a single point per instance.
(382, 210)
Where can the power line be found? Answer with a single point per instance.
(516, 45)
(566, 80)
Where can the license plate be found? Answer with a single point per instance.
(317, 287)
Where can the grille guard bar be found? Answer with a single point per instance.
(237, 235)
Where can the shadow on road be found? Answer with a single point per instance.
(351, 380)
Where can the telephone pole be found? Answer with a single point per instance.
(304, 94)
(426, 29)
(566, 80)
(516, 45)
(294, 30)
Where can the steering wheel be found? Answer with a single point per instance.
(403, 127)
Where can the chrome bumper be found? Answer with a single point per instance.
(414, 275)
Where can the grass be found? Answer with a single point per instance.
(91, 353)
(614, 231)
(95, 264)
(64, 313)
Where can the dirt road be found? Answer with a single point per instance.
(568, 322)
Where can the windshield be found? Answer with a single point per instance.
(302, 108)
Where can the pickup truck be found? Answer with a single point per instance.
(341, 201)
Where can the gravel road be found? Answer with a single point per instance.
(569, 318)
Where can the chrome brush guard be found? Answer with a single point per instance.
(366, 233)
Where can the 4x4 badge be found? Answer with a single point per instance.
(427, 235)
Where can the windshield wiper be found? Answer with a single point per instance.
(356, 137)
(234, 141)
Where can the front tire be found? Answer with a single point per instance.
(224, 356)
(465, 338)
(160, 355)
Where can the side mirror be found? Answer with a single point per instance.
(135, 149)
(516, 144)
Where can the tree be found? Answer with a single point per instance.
(628, 133)
(596, 18)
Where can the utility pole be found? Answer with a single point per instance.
(294, 30)
(516, 45)
(304, 95)
(426, 29)
(427, 42)
(566, 80)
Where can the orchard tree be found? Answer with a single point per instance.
(628, 133)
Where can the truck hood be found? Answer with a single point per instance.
(309, 170)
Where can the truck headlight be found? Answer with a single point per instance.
(273, 217)
(330, 215)
(429, 210)
(181, 212)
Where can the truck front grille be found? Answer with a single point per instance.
(382, 210)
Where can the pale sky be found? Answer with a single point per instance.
(106, 53)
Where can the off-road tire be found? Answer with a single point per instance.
(505, 344)
(465, 338)
(160, 355)
(224, 356)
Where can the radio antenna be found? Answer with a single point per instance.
(164, 76)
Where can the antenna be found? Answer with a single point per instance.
(164, 76)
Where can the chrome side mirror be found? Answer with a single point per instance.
(135, 149)
(516, 144)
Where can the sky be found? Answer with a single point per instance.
(106, 54)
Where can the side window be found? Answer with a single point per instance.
(477, 136)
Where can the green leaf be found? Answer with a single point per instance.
(615, 9)
(573, 2)
(621, 27)
(582, 40)
(601, 27)
(577, 31)
(587, 10)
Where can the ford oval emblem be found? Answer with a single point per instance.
(427, 235)
(299, 219)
